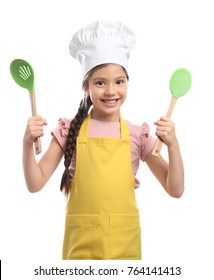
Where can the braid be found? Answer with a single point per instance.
(75, 125)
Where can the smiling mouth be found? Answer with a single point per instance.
(110, 101)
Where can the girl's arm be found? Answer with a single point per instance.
(37, 174)
(171, 175)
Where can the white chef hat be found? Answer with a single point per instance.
(102, 42)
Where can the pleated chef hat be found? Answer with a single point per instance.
(102, 42)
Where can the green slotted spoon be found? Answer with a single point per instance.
(180, 83)
(23, 75)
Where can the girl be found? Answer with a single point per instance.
(102, 152)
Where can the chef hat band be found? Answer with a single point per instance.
(102, 42)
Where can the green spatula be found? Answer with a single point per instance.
(179, 85)
(23, 75)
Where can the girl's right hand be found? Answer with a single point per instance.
(34, 129)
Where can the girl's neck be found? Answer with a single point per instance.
(105, 117)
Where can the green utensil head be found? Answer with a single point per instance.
(180, 82)
(22, 73)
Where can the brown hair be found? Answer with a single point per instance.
(75, 125)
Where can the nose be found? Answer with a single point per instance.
(110, 89)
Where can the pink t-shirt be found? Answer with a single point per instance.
(141, 141)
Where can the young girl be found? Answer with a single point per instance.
(102, 152)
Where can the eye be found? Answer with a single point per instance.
(120, 82)
(99, 83)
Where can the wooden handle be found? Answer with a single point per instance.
(157, 147)
(37, 145)
(158, 144)
(171, 106)
(37, 142)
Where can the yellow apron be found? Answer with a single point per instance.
(102, 219)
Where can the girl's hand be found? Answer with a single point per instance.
(166, 131)
(34, 129)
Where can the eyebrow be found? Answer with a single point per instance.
(102, 78)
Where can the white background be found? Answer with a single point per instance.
(170, 34)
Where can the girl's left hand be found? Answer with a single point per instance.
(166, 131)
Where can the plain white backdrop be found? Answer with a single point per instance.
(170, 34)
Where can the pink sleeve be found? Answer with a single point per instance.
(61, 132)
(146, 141)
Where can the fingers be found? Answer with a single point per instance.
(38, 119)
(34, 129)
(164, 119)
(165, 130)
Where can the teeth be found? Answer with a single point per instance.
(111, 101)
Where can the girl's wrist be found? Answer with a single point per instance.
(27, 144)
(173, 145)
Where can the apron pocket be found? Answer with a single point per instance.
(84, 237)
(125, 237)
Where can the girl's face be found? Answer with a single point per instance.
(107, 89)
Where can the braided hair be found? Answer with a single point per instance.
(75, 125)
